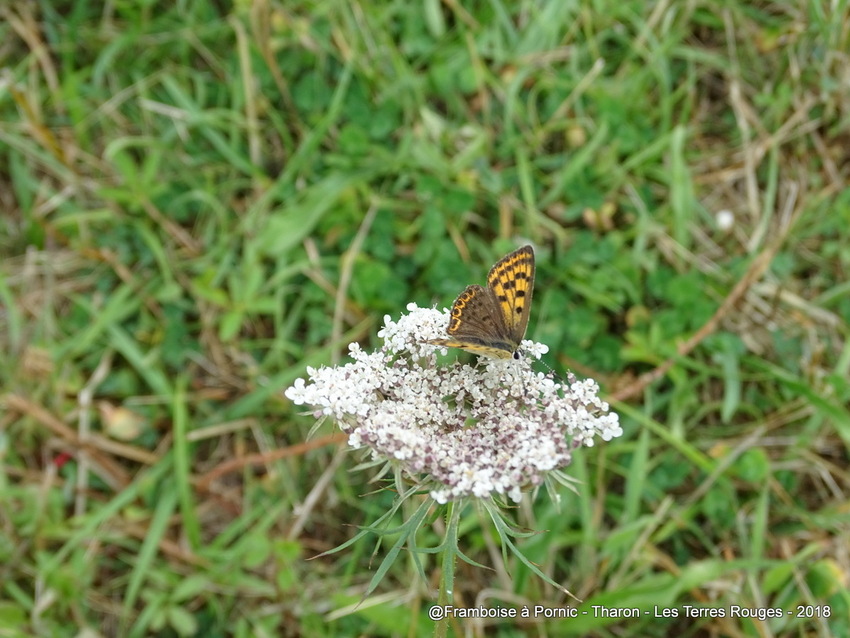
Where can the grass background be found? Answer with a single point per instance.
(201, 199)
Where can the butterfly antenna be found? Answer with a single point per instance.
(555, 375)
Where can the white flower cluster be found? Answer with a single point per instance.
(461, 430)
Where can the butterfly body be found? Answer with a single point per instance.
(492, 320)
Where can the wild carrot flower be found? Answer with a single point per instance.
(490, 429)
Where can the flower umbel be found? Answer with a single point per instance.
(459, 430)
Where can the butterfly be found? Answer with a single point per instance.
(491, 321)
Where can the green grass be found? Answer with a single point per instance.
(199, 201)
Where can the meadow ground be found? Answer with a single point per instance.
(200, 200)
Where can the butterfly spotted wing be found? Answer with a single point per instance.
(492, 321)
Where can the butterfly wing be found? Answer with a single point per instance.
(477, 324)
(511, 281)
